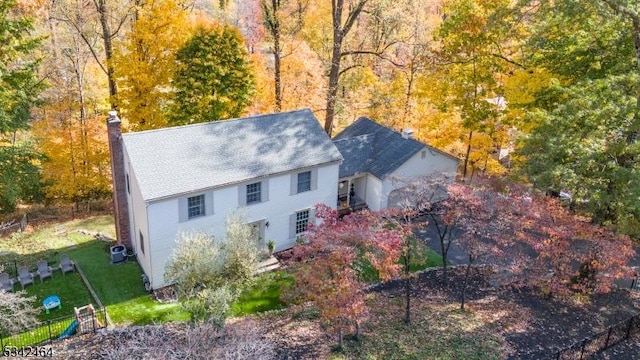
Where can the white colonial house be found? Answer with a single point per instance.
(274, 167)
(379, 162)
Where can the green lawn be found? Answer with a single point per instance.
(118, 286)
(69, 288)
(264, 295)
(422, 258)
(47, 242)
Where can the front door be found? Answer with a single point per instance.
(257, 231)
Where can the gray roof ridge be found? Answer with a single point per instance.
(353, 137)
(390, 131)
(212, 122)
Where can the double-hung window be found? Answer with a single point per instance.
(302, 219)
(304, 181)
(195, 206)
(254, 193)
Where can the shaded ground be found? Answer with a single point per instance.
(533, 327)
(627, 350)
(521, 323)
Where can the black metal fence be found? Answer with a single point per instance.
(602, 341)
(56, 329)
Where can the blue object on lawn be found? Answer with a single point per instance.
(70, 330)
(51, 302)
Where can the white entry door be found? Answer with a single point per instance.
(257, 231)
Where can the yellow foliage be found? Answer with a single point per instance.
(77, 153)
(264, 100)
(521, 87)
(301, 76)
(144, 62)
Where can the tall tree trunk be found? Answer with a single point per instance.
(445, 279)
(277, 83)
(339, 33)
(340, 338)
(409, 93)
(463, 293)
(101, 7)
(635, 134)
(407, 282)
(444, 248)
(407, 300)
(272, 24)
(334, 72)
(466, 157)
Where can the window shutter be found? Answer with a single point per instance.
(182, 209)
(314, 179)
(312, 216)
(292, 226)
(264, 196)
(208, 203)
(242, 195)
(294, 184)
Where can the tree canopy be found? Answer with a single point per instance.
(213, 80)
(585, 121)
(19, 89)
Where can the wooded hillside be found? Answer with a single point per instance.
(545, 91)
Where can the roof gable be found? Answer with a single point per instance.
(370, 147)
(185, 159)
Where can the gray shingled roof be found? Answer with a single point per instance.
(370, 147)
(184, 159)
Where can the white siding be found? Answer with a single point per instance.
(433, 163)
(137, 219)
(164, 215)
(374, 191)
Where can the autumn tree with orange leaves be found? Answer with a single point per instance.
(330, 275)
(535, 241)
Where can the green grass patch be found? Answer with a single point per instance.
(144, 310)
(422, 258)
(119, 286)
(69, 288)
(264, 295)
(48, 241)
(72, 293)
(48, 330)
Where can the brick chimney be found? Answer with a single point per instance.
(120, 206)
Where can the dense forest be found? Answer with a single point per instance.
(547, 92)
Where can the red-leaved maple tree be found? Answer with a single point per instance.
(328, 274)
(533, 240)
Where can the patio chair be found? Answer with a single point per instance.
(6, 283)
(24, 276)
(66, 264)
(44, 270)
